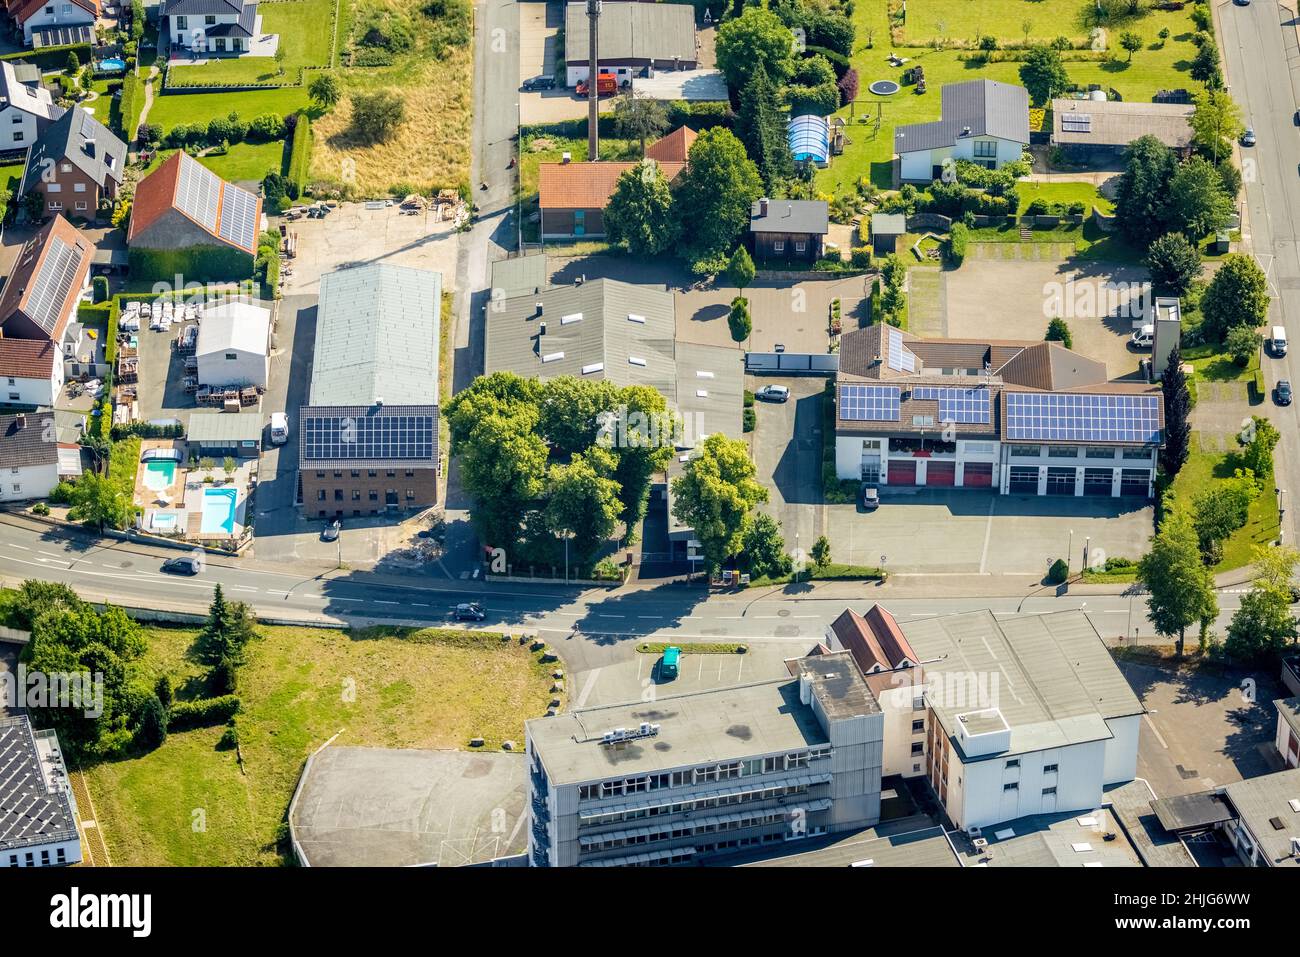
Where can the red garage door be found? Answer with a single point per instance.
(977, 475)
(902, 473)
(941, 473)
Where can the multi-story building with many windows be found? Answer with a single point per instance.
(685, 778)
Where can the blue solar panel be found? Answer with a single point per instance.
(869, 403)
(963, 406)
(360, 438)
(1083, 418)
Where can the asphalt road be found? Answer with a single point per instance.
(1257, 41)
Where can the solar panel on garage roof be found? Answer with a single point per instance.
(1083, 418)
(238, 215)
(53, 284)
(963, 406)
(198, 192)
(363, 437)
(869, 403)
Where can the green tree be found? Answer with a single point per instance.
(73, 66)
(503, 462)
(227, 630)
(714, 495)
(278, 56)
(1058, 330)
(1216, 122)
(644, 449)
(1241, 343)
(755, 37)
(1205, 64)
(1258, 440)
(640, 214)
(761, 127)
(812, 88)
(325, 90)
(570, 409)
(151, 732)
(1236, 296)
(640, 118)
(1181, 588)
(582, 501)
(1198, 204)
(1261, 627)
(376, 116)
(821, 552)
(1174, 262)
(740, 269)
(1220, 510)
(1178, 410)
(1130, 41)
(98, 500)
(716, 193)
(1142, 200)
(764, 548)
(1043, 73)
(738, 320)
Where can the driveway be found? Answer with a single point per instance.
(787, 446)
(539, 41)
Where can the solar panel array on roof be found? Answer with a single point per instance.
(198, 193)
(869, 403)
(53, 284)
(900, 360)
(1076, 122)
(1083, 418)
(238, 217)
(963, 406)
(362, 437)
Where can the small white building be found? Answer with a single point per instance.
(29, 456)
(983, 121)
(234, 338)
(38, 812)
(25, 111)
(31, 372)
(1288, 730)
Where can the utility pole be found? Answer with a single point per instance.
(593, 80)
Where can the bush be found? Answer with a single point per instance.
(1058, 572)
(750, 420)
(860, 257)
(202, 713)
(299, 156)
(1241, 343)
(100, 285)
(266, 127)
(958, 240)
(40, 508)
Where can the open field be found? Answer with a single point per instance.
(306, 35)
(1009, 20)
(300, 686)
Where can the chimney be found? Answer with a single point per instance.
(379, 402)
(20, 421)
(762, 206)
(541, 328)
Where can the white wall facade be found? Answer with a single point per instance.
(1122, 749)
(854, 452)
(18, 484)
(43, 855)
(1288, 743)
(576, 74)
(232, 367)
(56, 13)
(905, 726)
(17, 129)
(188, 32)
(993, 790)
(1021, 460)
(919, 166)
(22, 390)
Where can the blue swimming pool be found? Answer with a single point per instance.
(112, 65)
(159, 475)
(218, 511)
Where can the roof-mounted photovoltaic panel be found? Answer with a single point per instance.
(869, 403)
(962, 406)
(239, 217)
(337, 437)
(198, 193)
(1071, 417)
(1076, 122)
(900, 360)
(53, 283)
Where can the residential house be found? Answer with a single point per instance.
(29, 456)
(635, 39)
(232, 349)
(38, 812)
(31, 372)
(1287, 738)
(983, 121)
(1097, 130)
(791, 229)
(75, 164)
(615, 786)
(186, 215)
(368, 437)
(1019, 417)
(673, 148)
(48, 23)
(211, 27)
(26, 111)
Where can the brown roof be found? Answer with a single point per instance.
(154, 195)
(586, 185)
(16, 297)
(860, 348)
(157, 193)
(1120, 122)
(673, 148)
(23, 11)
(875, 641)
(27, 358)
(1051, 367)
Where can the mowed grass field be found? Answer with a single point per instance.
(305, 28)
(188, 804)
(869, 152)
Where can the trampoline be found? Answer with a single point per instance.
(884, 88)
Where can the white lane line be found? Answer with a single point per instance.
(988, 533)
(345, 599)
(21, 548)
(380, 601)
(53, 554)
(282, 594)
(591, 683)
(1156, 731)
(611, 616)
(649, 617)
(416, 604)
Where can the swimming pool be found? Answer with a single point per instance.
(218, 511)
(112, 65)
(159, 475)
(163, 522)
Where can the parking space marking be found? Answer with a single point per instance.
(1156, 731)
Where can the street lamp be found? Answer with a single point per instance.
(1087, 547)
(1068, 551)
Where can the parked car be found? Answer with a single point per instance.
(540, 83)
(1248, 137)
(1282, 392)
(869, 496)
(1143, 338)
(186, 565)
(279, 428)
(773, 393)
(1277, 341)
(331, 531)
(668, 665)
(469, 611)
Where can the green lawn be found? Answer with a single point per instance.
(244, 161)
(1090, 242)
(304, 27)
(1006, 20)
(1214, 365)
(868, 152)
(300, 687)
(611, 148)
(174, 109)
(1262, 525)
(11, 176)
(1065, 193)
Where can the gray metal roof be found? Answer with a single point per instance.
(172, 8)
(83, 140)
(377, 337)
(520, 276)
(633, 31)
(224, 427)
(1264, 805)
(1050, 676)
(924, 847)
(1289, 709)
(888, 224)
(33, 442)
(790, 216)
(987, 107)
(35, 806)
(719, 373)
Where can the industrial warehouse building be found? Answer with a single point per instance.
(1020, 417)
(635, 39)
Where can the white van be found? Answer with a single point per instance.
(1143, 338)
(279, 428)
(1277, 341)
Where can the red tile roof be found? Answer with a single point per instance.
(875, 641)
(154, 195)
(586, 185)
(673, 148)
(27, 358)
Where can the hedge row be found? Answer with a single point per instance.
(198, 264)
(300, 154)
(203, 713)
(127, 109)
(51, 58)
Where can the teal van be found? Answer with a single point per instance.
(668, 666)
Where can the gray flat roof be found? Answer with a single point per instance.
(1184, 812)
(888, 224)
(1289, 709)
(377, 337)
(1074, 839)
(633, 31)
(927, 847)
(519, 276)
(1264, 805)
(224, 427)
(1050, 676)
(790, 216)
(719, 372)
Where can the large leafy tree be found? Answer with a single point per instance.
(761, 127)
(640, 214)
(98, 500)
(1198, 203)
(325, 90)
(643, 450)
(570, 410)
(755, 37)
(1220, 510)
(1258, 442)
(764, 547)
(1181, 587)
(640, 118)
(716, 194)
(1216, 122)
(1174, 263)
(1262, 626)
(715, 494)
(503, 463)
(1205, 64)
(582, 500)
(1142, 200)
(1043, 73)
(1178, 410)
(377, 116)
(1237, 296)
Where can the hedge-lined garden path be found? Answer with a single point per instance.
(148, 102)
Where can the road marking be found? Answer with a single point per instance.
(52, 554)
(346, 599)
(416, 604)
(648, 617)
(1156, 731)
(590, 683)
(611, 616)
(988, 533)
(380, 601)
(21, 548)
